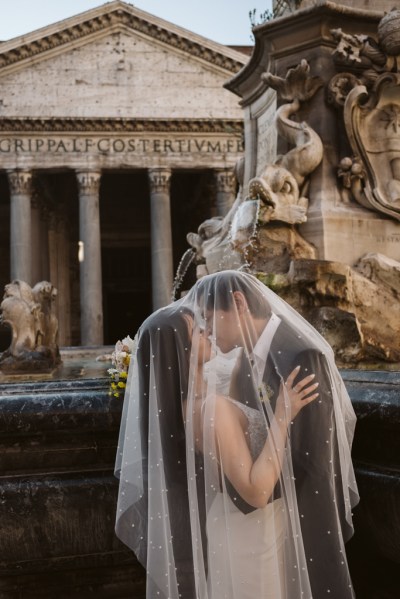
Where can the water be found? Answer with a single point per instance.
(77, 363)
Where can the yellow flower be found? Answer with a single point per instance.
(121, 385)
(113, 386)
(265, 392)
(116, 394)
(123, 375)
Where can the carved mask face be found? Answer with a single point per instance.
(279, 193)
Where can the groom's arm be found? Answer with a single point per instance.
(316, 465)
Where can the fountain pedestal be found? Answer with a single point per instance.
(58, 494)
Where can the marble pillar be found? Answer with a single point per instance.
(90, 258)
(161, 237)
(20, 233)
(226, 190)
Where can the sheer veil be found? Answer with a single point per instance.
(227, 490)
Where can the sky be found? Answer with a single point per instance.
(224, 21)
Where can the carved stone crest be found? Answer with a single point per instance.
(372, 122)
(370, 97)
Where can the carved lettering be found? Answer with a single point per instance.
(60, 146)
(88, 144)
(199, 145)
(103, 145)
(75, 149)
(118, 145)
(394, 238)
(5, 145)
(213, 147)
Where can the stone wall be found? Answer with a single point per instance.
(58, 493)
(151, 83)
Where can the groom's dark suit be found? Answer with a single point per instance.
(313, 443)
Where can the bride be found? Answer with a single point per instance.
(234, 458)
(251, 460)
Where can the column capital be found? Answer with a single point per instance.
(159, 179)
(20, 182)
(88, 181)
(225, 180)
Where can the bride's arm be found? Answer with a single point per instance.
(255, 481)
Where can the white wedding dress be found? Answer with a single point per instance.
(245, 557)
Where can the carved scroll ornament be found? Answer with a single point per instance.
(372, 121)
(370, 98)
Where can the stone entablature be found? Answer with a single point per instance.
(40, 143)
(26, 145)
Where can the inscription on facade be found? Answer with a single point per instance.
(394, 238)
(117, 145)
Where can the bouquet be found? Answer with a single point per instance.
(120, 359)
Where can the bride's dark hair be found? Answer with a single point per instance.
(228, 282)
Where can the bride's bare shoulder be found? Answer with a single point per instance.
(227, 409)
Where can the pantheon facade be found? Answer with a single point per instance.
(117, 137)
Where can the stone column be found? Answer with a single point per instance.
(161, 237)
(226, 190)
(90, 258)
(20, 229)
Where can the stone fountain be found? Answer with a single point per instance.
(317, 219)
(317, 215)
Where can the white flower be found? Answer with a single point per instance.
(112, 371)
(129, 343)
(121, 355)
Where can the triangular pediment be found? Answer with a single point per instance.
(113, 16)
(116, 61)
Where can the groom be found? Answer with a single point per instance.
(272, 348)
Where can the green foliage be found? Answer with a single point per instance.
(280, 8)
(273, 281)
(263, 17)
